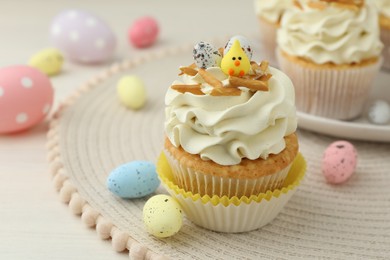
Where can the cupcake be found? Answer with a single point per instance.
(230, 123)
(269, 14)
(384, 21)
(331, 51)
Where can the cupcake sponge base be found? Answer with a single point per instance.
(234, 214)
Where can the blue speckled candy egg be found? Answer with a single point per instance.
(206, 55)
(245, 45)
(133, 180)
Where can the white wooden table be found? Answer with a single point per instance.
(34, 224)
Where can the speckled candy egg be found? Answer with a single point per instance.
(163, 216)
(143, 32)
(82, 36)
(131, 91)
(133, 180)
(206, 55)
(49, 61)
(339, 162)
(26, 96)
(245, 45)
(379, 112)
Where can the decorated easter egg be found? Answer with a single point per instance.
(82, 36)
(245, 45)
(48, 61)
(379, 112)
(143, 32)
(339, 162)
(26, 96)
(135, 179)
(131, 92)
(206, 55)
(163, 216)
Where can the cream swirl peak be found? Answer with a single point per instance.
(272, 10)
(330, 32)
(226, 129)
(383, 7)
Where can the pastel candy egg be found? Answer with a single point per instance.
(143, 32)
(26, 96)
(162, 216)
(133, 180)
(131, 92)
(379, 112)
(48, 61)
(82, 37)
(339, 162)
(206, 55)
(245, 45)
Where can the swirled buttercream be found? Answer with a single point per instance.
(272, 10)
(334, 34)
(383, 7)
(226, 129)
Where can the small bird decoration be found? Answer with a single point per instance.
(235, 62)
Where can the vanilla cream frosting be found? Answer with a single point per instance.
(226, 129)
(383, 7)
(272, 10)
(334, 34)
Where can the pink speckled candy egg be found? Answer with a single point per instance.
(339, 162)
(26, 96)
(83, 37)
(143, 32)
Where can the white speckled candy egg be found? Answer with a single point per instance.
(49, 61)
(131, 92)
(82, 36)
(26, 96)
(206, 55)
(379, 112)
(339, 162)
(133, 180)
(163, 216)
(245, 45)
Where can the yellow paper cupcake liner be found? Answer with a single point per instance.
(295, 175)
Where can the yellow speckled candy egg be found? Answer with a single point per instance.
(48, 61)
(131, 92)
(163, 216)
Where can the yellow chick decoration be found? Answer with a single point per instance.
(48, 61)
(235, 62)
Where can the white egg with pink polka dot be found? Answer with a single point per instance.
(26, 96)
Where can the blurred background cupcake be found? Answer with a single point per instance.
(269, 13)
(384, 20)
(331, 51)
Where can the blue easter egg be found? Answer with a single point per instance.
(135, 179)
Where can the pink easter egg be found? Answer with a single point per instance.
(143, 32)
(26, 96)
(82, 37)
(339, 162)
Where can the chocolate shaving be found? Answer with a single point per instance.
(298, 4)
(221, 51)
(317, 5)
(188, 71)
(248, 83)
(264, 65)
(265, 77)
(210, 79)
(225, 91)
(194, 89)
